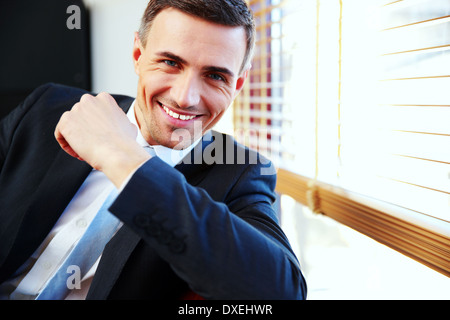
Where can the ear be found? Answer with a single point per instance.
(241, 81)
(137, 52)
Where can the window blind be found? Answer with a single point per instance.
(407, 161)
(350, 99)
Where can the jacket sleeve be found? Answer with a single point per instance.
(223, 250)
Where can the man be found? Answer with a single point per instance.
(189, 227)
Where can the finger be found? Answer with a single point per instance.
(63, 142)
(66, 147)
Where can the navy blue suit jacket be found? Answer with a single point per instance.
(207, 226)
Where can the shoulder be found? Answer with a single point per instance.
(229, 151)
(56, 91)
(42, 109)
(236, 164)
(48, 97)
(54, 99)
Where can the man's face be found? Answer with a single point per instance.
(188, 76)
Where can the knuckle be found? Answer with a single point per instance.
(104, 96)
(75, 107)
(86, 98)
(64, 116)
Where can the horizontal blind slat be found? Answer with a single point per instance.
(409, 12)
(415, 64)
(401, 40)
(410, 144)
(414, 119)
(432, 91)
(427, 174)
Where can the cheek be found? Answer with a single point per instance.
(218, 102)
(142, 91)
(216, 113)
(149, 87)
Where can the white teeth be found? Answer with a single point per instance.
(176, 115)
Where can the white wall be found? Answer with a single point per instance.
(113, 23)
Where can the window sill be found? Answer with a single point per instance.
(419, 237)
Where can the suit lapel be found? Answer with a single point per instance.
(49, 201)
(113, 259)
(61, 182)
(193, 165)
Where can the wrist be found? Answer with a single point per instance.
(122, 163)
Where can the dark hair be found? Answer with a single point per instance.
(232, 13)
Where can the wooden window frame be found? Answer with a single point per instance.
(427, 243)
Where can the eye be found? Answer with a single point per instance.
(170, 63)
(216, 77)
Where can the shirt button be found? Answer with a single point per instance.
(177, 246)
(81, 223)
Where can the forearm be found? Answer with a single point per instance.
(220, 254)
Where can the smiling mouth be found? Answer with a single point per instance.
(175, 115)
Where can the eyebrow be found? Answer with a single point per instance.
(172, 56)
(214, 69)
(224, 71)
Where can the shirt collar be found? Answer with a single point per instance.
(170, 156)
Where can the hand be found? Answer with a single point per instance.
(97, 131)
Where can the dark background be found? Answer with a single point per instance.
(36, 47)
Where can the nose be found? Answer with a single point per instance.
(186, 90)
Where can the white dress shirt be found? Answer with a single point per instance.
(32, 277)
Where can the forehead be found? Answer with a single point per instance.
(196, 40)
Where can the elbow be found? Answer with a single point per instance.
(296, 289)
(300, 289)
(292, 285)
(286, 283)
